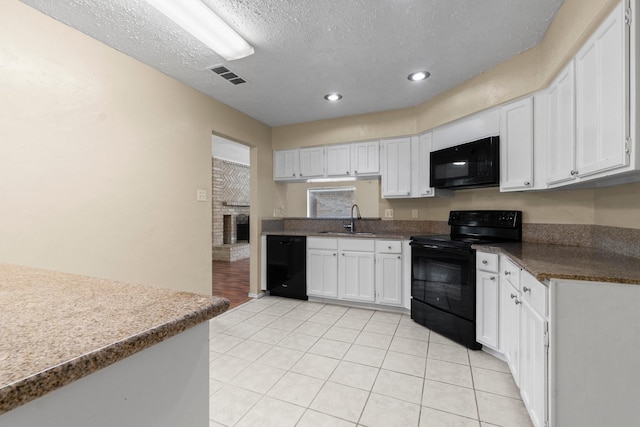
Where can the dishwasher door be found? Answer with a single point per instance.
(287, 266)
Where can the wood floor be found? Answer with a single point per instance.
(231, 281)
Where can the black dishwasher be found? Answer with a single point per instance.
(287, 266)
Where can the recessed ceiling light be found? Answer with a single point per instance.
(333, 97)
(418, 75)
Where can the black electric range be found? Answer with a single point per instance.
(443, 275)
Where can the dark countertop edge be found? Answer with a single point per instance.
(338, 234)
(544, 276)
(37, 385)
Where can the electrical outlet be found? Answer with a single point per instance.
(275, 212)
(201, 195)
(414, 213)
(388, 213)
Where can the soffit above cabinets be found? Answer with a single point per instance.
(305, 49)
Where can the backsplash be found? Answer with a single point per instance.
(624, 241)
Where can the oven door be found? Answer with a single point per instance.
(444, 278)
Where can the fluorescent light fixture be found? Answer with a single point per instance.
(346, 178)
(459, 163)
(196, 18)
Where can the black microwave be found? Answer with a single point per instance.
(474, 164)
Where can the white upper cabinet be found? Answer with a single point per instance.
(421, 166)
(516, 145)
(471, 128)
(602, 97)
(339, 160)
(286, 164)
(560, 118)
(365, 158)
(355, 159)
(396, 167)
(311, 162)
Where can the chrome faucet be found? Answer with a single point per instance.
(352, 225)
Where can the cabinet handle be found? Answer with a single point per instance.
(506, 273)
(527, 183)
(348, 173)
(355, 172)
(513, 296)
(526, 289)
(293, 174)
(342, 254)
(485, 262)
(518, 302)
(574, 172)
(399, 257)
(492, 277)
(334, 254)
(389, 247)
(408, 193)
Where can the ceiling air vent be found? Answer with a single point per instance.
(229, 75)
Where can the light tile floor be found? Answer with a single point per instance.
(284, 362)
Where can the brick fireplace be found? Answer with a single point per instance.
(230, 205)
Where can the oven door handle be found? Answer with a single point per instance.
(443, 249)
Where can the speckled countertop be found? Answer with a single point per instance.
(58, 327)
(546, 261)
(336, 234)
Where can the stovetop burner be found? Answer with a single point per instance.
(477, 227)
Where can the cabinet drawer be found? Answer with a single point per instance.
(510, 272)
(534, 292)
(360, 245)
(322, 243)
(389, 246)
(487, 262)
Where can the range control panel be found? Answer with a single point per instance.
(502, 219)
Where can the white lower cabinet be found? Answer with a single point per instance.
(352, 269)
(356, 276)
(511, 319)
(389, 272)
(510, 327)
(487, 301)
(322, 267)
(533, 362)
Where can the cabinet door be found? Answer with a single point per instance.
(516, 145)
(510, 327)
(533, 363)
(356, 276)
(311, 162)
(602, 97)
(561, 121)
(365, 158)
(338, 160)
(422, 155)
(285, 164)
(389, 279)
(487, 309)
(322, 273)
(396, 167)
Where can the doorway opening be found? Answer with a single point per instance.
(231, 172)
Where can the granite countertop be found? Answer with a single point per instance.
(336, 234)
(546, 261)
(59, 327)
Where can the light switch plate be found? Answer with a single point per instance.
(388, 213)
(201, 195)
(414, 213)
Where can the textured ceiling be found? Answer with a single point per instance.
(304, 49)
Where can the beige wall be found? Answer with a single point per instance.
(101, 156)
(526, 73)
